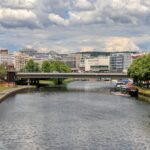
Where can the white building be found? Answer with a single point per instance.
(97, 64)
(20, 60)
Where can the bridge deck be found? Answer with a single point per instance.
(70, 75)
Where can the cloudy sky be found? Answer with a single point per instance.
(75, 25)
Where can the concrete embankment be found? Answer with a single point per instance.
(143, 93)
(8, 92)
(143, 96)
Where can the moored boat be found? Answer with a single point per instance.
(133, 91)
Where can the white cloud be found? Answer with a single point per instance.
(66, 12)
(87, 49)
(73, 25)
(17, 18)
(83, 17)
(106, 12)
(16, 14)
(120, 44)
(18, 3)
(75, 17)
(83, 5)
(58, 19)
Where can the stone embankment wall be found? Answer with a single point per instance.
(8, 92)
(143, 96)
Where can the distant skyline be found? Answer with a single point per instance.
(75, 25)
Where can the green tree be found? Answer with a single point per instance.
(57, 66)
(45, 66)
(52, 67)
(146, 67)
(139, 70)
(32, 66)
(3, 71)
(60, 66)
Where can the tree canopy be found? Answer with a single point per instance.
(58, 66)
(32, 66)
(45, 66)
(139, 70)
(3, 71)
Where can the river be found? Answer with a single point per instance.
(84, 116)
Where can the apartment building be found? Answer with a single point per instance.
(20, 60)
(6, 58)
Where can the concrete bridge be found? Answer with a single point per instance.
(70, 75)
(33, 78)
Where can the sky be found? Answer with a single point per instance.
(68, 26)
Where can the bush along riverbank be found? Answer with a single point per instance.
(7, 91)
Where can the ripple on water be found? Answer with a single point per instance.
(70, 120)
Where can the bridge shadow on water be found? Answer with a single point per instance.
(79, 86)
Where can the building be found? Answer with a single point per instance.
(135, 56)
(120, 61)
(3, 51)
(77, 62)
(94, 54)
(29, 51)
(97, 64)
(69, 60)
(40, 57)
(116, 62)
(6, 58)
(20, 60)
(82, 56)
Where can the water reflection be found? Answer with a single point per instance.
(66, 119)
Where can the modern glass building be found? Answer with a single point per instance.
(120, 62)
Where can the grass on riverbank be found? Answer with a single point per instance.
(49, 82)
(2, 88)
(66, 81)
(144, 91)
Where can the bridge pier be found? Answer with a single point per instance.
(29, 82)
(59, 81)
(36, 81)
(33, 81)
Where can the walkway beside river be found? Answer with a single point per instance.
(4, 94)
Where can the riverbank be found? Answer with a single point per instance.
(144, 94)
(7, 91)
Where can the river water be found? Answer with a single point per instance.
(85, 116)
